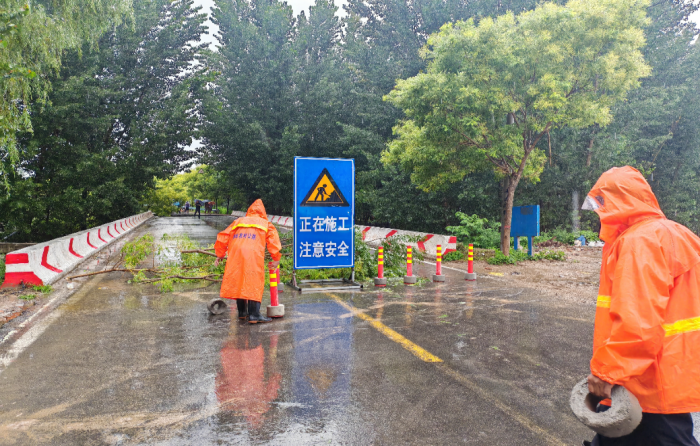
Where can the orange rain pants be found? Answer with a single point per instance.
(647, 326)
(244, 241)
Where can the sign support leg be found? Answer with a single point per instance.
(294, 281)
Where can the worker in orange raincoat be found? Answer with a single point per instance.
(647, 324)
(244, 278)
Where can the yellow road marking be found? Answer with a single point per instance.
(389, 333)
(426, 356)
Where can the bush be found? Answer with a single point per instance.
(519, 256)
(46, 289)
(512, 259)
(453, 256)
(549, 255)
(566, 237)
(478, 231)
(2, 268)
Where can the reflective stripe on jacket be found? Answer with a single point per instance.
(245, 241)
(647, 326)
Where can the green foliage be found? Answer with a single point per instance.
(454, 256)
(478, 231)
(2, 267)
(46, 289)
(549, 255)
(549, 68)
(194, 268)
(136, 251)
(33, 42)
(119, 115)
(519, 256)
(201, 182)
(27, 297)
(566, 237)
(512, 259)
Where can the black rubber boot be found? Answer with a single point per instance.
(242, 305)
(254, 315)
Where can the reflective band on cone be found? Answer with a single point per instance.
(274, 309)
(409, 279)
(380, 281)
(471, 275)
(438, 277)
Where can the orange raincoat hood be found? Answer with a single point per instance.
(257, 209)
(623, 198)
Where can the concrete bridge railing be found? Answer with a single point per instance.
(45, 263)
(374, 235)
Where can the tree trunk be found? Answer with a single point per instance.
(508, 195)
(575, 206)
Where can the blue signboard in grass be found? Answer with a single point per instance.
(324, 213)
(525, 223)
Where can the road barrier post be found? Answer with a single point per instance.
(380, 281)
(438, 277)
(274, 309)
(409, 279)
(471, 275)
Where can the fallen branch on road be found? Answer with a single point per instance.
(177, 276)
(111, 270)
(198, 251)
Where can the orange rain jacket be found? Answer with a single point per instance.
(244, 241)
(647, 326)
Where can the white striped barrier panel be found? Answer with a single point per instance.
(45, 263)
(375, 236)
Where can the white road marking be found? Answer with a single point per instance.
(30, 336)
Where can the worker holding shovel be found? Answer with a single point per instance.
(647, 325)
(244, 277)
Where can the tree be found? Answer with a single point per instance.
(33, 42)
(117, 119)
(552, 67)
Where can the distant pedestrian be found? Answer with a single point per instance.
(198, 208)
(187, 207)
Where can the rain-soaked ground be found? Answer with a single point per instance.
(453, 363)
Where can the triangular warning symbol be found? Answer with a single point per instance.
(324, 192)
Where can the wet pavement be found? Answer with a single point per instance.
(453, 363)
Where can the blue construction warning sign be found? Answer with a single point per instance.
(324, 213)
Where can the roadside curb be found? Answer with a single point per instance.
(374, 236)
(45, 263)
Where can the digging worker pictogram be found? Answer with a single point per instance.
(321, 191)
(244, 278)
(647, 325)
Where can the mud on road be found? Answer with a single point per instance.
(575, 279)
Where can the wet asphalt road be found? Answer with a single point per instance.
(122, 364)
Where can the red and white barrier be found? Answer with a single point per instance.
(45, 263)
(376, 236)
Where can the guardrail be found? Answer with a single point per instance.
(375, 236)
(45, 263)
